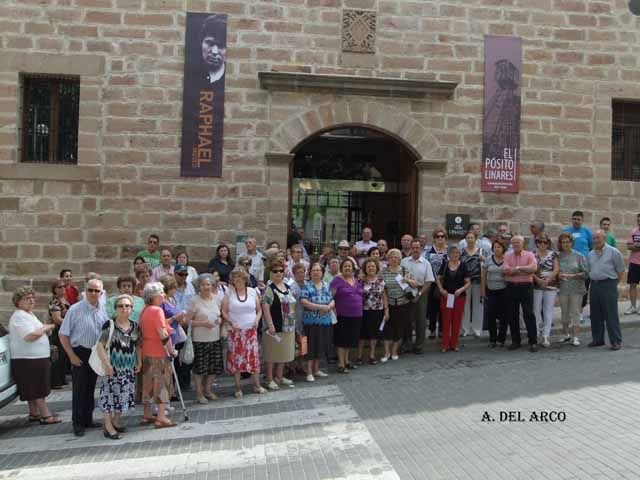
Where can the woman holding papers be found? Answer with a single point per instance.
(453, 283)
(398, 303)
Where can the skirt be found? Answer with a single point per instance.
(398, 320)
(157, 386)
(117, 393)
(318, 337)
(279, 352)
(207, 358)
(32, 377)
(346, 332)
(60, 366)
(242, 351)
(371, 320)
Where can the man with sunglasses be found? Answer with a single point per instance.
(152, 254)
(79, 332)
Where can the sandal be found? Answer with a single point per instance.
(259, 390)
(373, 361)
(342, 370)
(167, 424)
(350, 366)
(34, 418)
(147, 420)
(50, 420)
(211, 396)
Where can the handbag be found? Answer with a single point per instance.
(187, 354)
(94, 360)
(181, 335)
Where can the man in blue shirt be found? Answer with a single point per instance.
(582, 243)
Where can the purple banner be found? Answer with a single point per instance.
(501, 130)
(205, 61)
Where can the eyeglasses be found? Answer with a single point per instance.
(29, 299)
(439, 236)
(59, 286)
(93, 290)
(123, 306)
(279, 270)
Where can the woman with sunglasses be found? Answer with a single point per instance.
(245, 262)
(278, 341)
(121, 358)
(436, 255)
(545, 291)
(573, 269)
(58, 307)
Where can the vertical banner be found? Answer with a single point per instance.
(203, 95)
(501, 131)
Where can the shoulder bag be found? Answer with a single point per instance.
(94, 360)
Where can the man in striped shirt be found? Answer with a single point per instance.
(79, 332)
(165, 267)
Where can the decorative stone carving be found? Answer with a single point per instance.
(358, 31)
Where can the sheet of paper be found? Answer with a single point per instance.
(382, 325)
(400, 279)
(276, 337)
(451, 299)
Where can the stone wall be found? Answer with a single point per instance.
(578, 54)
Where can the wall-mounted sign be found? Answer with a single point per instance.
(203, 95)
(457, 225)
(501, 129)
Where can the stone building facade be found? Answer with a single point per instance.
(578, 55)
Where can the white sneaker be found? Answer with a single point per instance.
(238, 394)
(310, 378)
(576, 342)
(394, 357)
(464, 333)
(566, 339)
(545, 342)
(285, 381)
(632, 310)
(321, 374)
(384, 359)
(273, 385)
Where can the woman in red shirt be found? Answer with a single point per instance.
(156, 351)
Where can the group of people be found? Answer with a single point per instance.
(282, 310)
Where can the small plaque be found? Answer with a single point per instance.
(358, 31)
(457, 224)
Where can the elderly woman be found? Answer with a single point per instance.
(183, 259)
(222, 262)
(398, 306)
(156, 349)
(349, 299)
(241, 310)
(245, 262)
(318, 303)
(471, 257)
(436, 255)
(494, 292)
(545, 290)
(376, 308)
(572, 272)
(332, 270)
(453, 282)
(119, 350)
(204, 315)
(30, 364)
(58, 307)
(278, 340)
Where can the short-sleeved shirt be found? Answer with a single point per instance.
(138, 306)
(607, 265)
(545, 266)
(472, 264)
(158, 272)
(582, 239)
(525, 259)
(495, 273)
(58, 305)
(611, 240)
(83, 324)
(282, 306)
(170, 310)
(224, 269)
(348, 298)
(436, 259)
(122, 351)
(184, 295)
(453, 280)
(72, 294)
(21, 324)
(572, 263)
(373, 293)
(363, 247)
(418, 270)
(395, 294)
(152, 319)
(151, 259)
(320, 296)
(205, 310)
(634, 237)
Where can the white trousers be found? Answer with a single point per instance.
(473, 311)
(544, 302)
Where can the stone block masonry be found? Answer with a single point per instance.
(578, 56)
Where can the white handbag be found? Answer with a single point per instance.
(186, 353)
(94, 360)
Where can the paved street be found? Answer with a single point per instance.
(418, 418)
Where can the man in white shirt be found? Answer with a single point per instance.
(257, 260)
(419, 275)
(363, 246)
(473, 227)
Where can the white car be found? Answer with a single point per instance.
(8, 389)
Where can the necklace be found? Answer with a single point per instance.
(246, 295)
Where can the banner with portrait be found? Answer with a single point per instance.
(501, 130)
(203, 94)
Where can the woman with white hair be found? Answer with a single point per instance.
(204, 315)
(156, 348)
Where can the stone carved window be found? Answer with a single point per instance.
(50, 114)
(358, 31)
(625, 141)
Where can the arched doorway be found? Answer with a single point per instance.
(349, 177)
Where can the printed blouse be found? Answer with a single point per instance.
(472, 264)
(373, 293)
(545, 267)
(320, 296)
(282, 305)
(122, 351)
(572, 263)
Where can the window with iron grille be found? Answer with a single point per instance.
(625, 141)
(50, 118)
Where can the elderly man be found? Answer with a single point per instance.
(79, 332)
(519, 267)
(606, 268)
(475, 228)
(419, 276)
(151, 255)
(257, 260)
(363, 246)
(537, 230)
(165, 267)
(405, 245)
